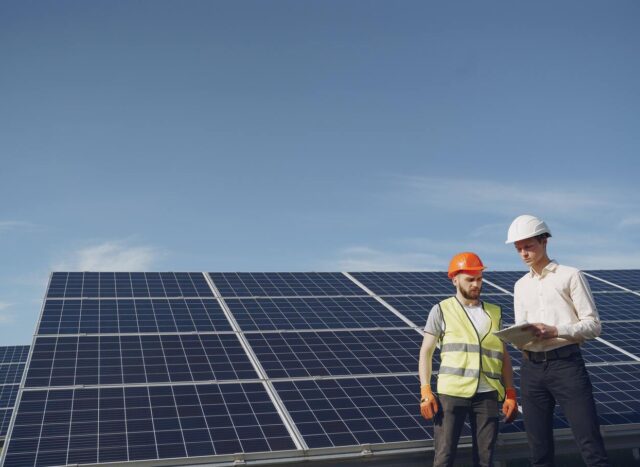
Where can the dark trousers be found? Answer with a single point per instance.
(482, 410)
(566, 381)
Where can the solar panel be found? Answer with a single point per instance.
(128, 285)
(272, 314)
(334, 353)
(616, 390)
(116, 424)
(88, 360)
(5, 419)
(615, 306)
(353, 411)
(11, 373)
(284, 284)
(152, 367)
(132, 316)
(8, 394)
(624, 335)
(505, 279)
(406, 283)
(627, 278)
(14, 354)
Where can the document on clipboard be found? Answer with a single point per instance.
(515, 334)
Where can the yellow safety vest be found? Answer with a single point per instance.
(464, 353)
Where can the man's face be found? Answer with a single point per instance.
(469, 285)
(531, 250)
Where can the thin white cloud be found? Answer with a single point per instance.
(110, 256)
(507, 199)
(5, 313)
(6, 226)
(631, 221)
(363, 258)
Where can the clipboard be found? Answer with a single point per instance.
(515, 334)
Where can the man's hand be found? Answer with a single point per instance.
(510, 406)
(541, 330)
(428, 402)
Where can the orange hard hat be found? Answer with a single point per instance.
(466, 261)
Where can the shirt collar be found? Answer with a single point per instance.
(551, 267)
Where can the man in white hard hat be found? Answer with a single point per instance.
(557, 303)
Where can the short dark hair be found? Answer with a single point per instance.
(542, 236)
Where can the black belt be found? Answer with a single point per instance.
(555, 354)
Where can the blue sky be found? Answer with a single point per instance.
(310, 135)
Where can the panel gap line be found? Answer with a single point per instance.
(287, 420)
(612, 283)
(619, 349)
(493, 284)
(381, 301)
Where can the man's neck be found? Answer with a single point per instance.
(466, 301)
(540, 265)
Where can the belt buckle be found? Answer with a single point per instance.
(544, 358)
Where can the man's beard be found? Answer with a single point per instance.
(471, 295)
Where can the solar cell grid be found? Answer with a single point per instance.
(90, 360)
(334, 353)
(5, 418)
(353, 411)
(14, 354)
(132, 316)
(406, 283)
(616, 390)
(11, 373)
(504, 279)
(624, 335)
(8, 393)
(628, 278)
(272, 314)
(617, 306)
(284, 284)
(78, 426)
(128, 285)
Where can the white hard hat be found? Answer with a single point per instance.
(526, 226)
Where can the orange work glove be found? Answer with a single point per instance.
(428, 402)
(510, 406)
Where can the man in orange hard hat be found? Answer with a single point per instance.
(556, 300)
(475, 368)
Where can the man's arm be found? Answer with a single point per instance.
(426, 358)
(510, 405)
(507, 369)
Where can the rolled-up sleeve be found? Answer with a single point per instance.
(588, 325)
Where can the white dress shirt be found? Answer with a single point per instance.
(560, 297)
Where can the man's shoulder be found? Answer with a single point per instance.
(525, 278)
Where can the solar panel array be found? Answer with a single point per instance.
(162, 366)
(12, 363)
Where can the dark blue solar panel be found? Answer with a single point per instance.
(353, 411)
(416, 308)
(132, 316)
(128, 285)
(284, 284)
(78, 426)
(11, 373)
(627, 278)
(504, 279)
(624, 335)
(333, 353)
(88, 360)
(593, 352)
(5, 418)
(272, 314)
(406, 283)
(616, 306)
(616, 390)
(14, 354)
(8, 394)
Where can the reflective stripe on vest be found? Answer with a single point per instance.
(464, 354)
